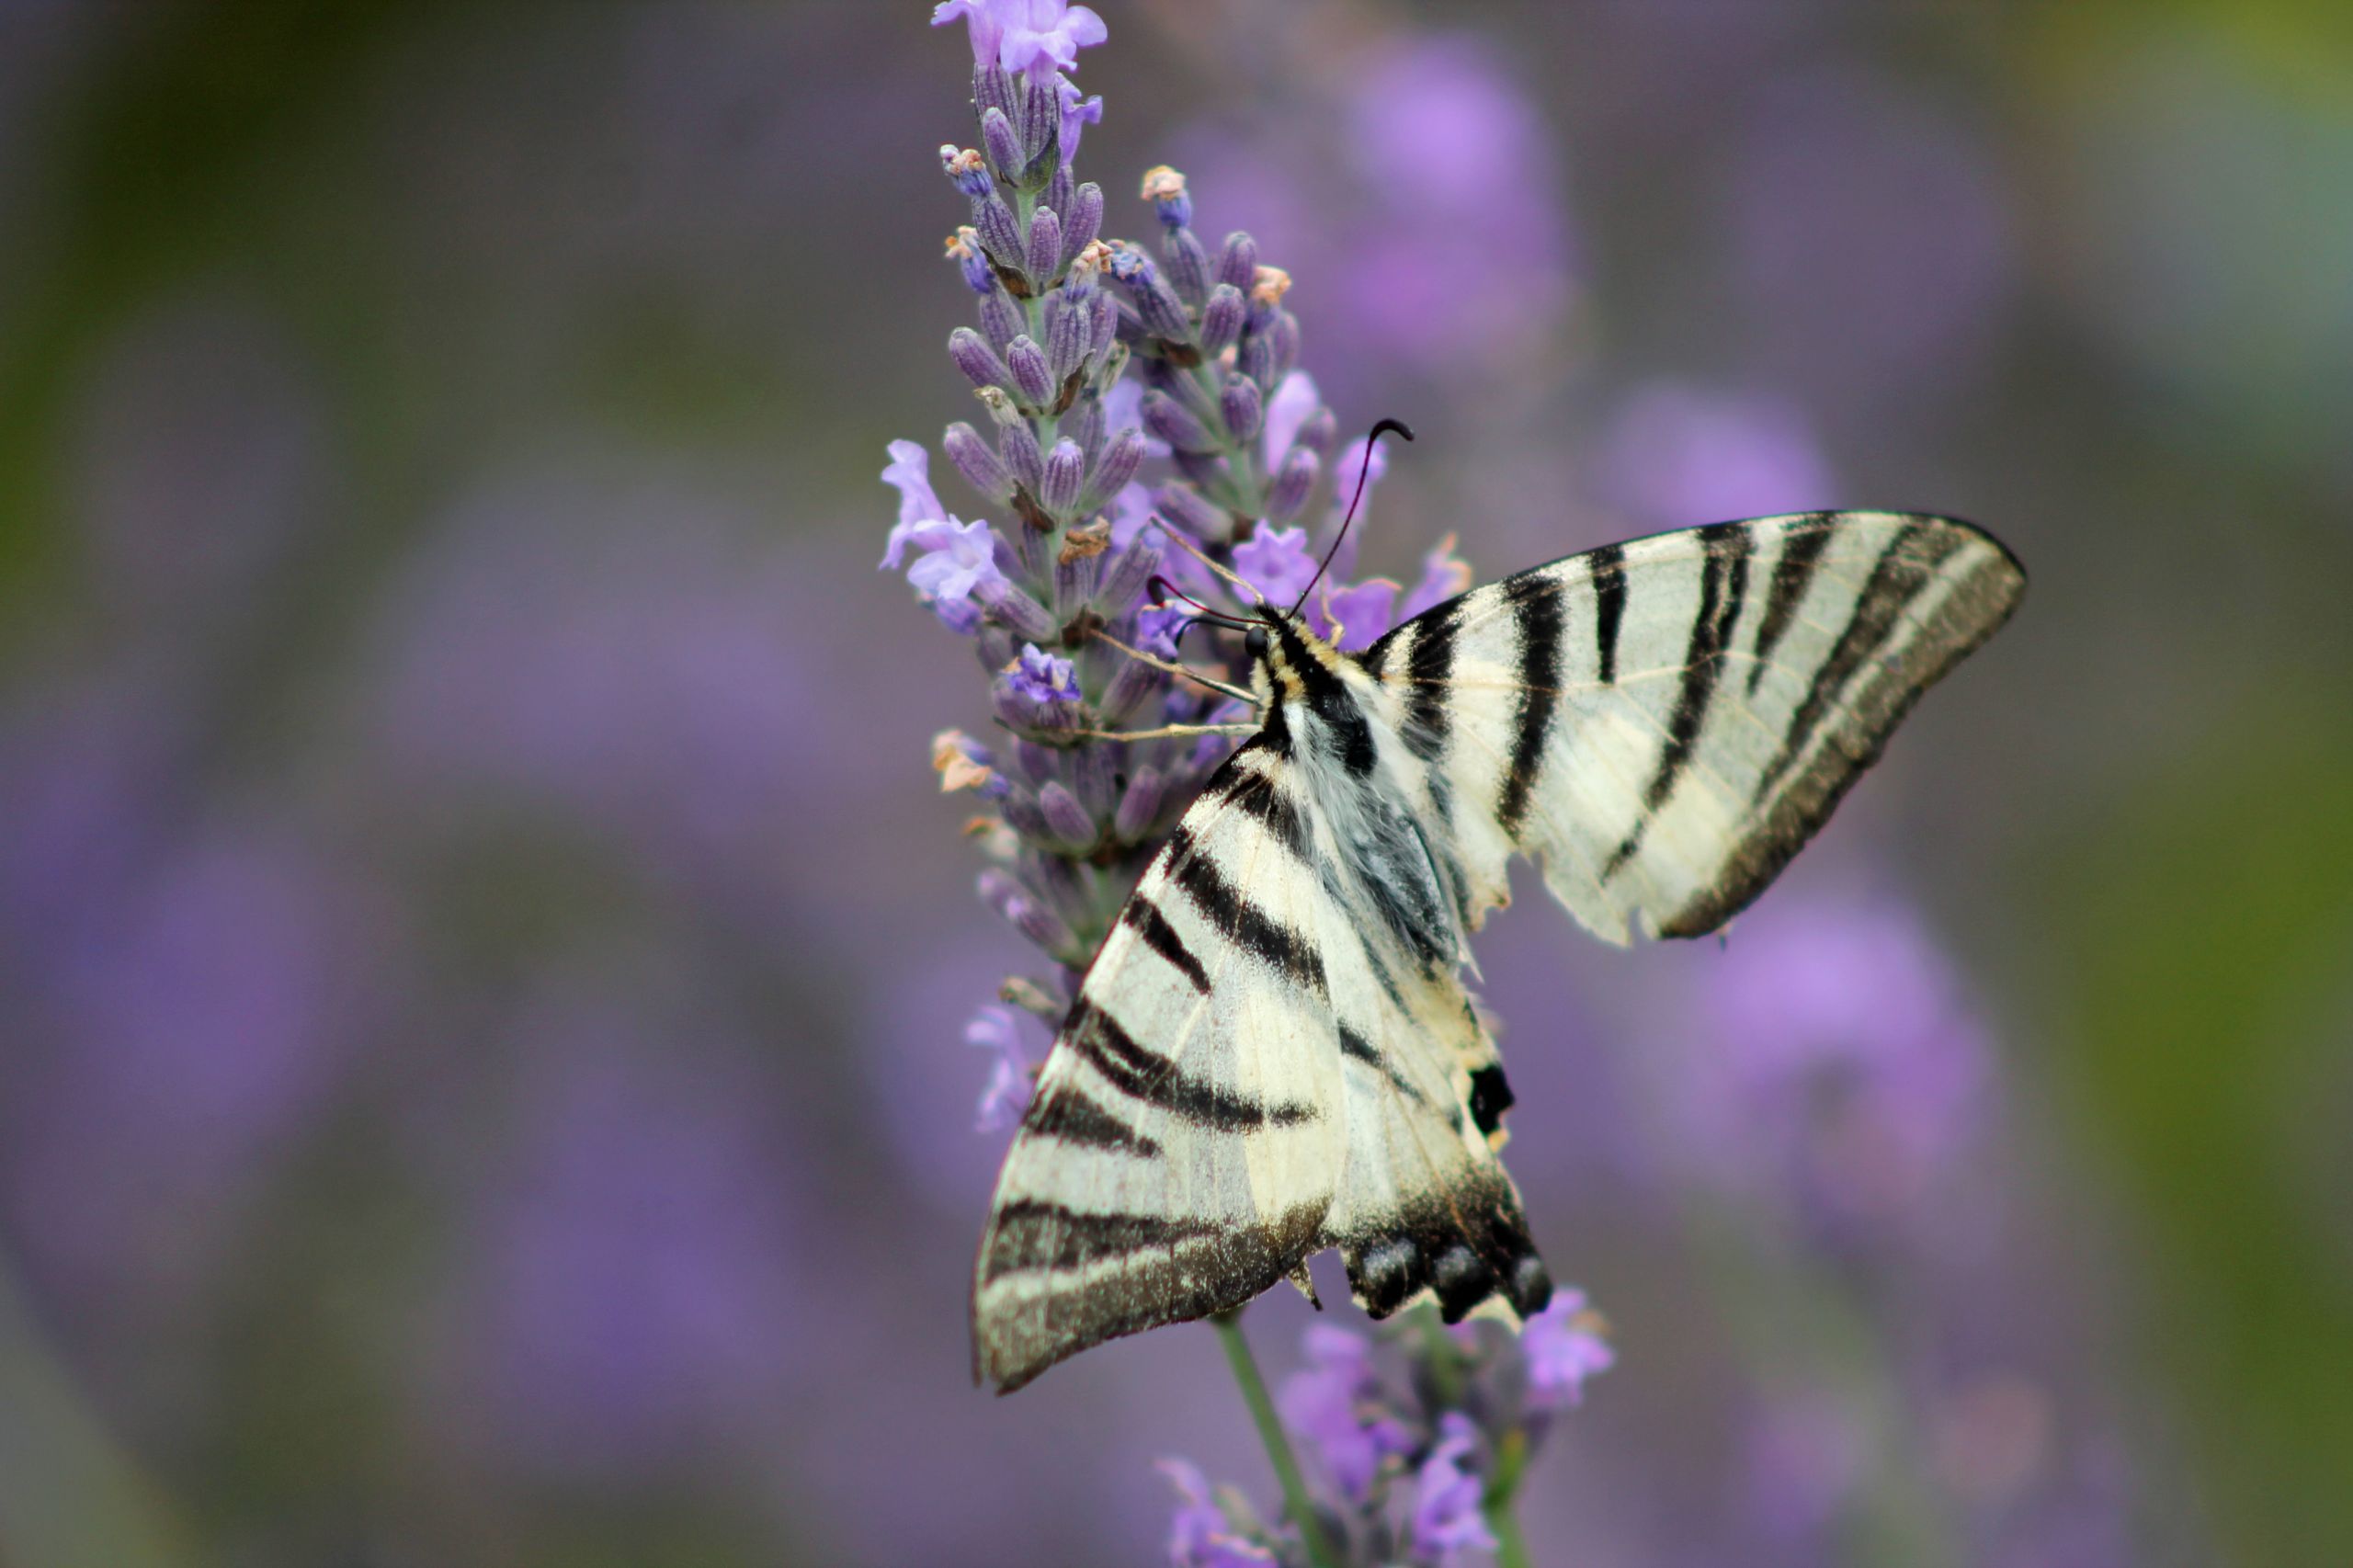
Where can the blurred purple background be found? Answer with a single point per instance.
(483, 963)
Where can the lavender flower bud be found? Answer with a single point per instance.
(1002, 408)
(1132, 686)
(1110, 313)
(1000, 232)
(1255, 360)
(1004, 147)
(966, 169)
(1014, 609)
(1294, 481)
(1004, 892)
(1060, 192)
(1284, 336)
(1067, 818)
(1189, 266)
(1141, 804)
(1070, 336)
(1164, 189)
(1033, 380)
(1221, 319)
(1085, 425)
(1095, 781)
(1000, 317)
(1185, 507)
(1161, 313)
(1176, 424)
(1238, 263)
(1040, 764)
(978, 462)
(1019, 445)
(1320, 433)
(964, 250)
(1116, 466)
(1045, 256)
(995, 645)
(1084, 222)
(977, 359)
(1020, 810)
(1242, 407)
(992, 88)
(1128, 573)
(1065, 475)
(1041, 115)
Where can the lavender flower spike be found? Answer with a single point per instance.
(1447, 1521)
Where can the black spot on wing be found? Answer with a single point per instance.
(1535, 601)
(1490, 1098)
(1801, 548)
(1233, 913)
(1465, 1245)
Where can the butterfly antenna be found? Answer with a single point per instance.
(1228, 572)
(1364, 472)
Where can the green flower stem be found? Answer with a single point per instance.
(1503, 1489)
(1320, 1551)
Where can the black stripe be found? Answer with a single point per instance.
(1328, 699)
(1225, 907)
(1144, 917)
(1364, 1051)
(1148, 1076)
(1070, 1117)
(1792, 575)
(1026, 1234)
(1535, 596)
(1895, 581)
(1262, 796)
(1607, 566)
(1429, 664)
(1723, 584)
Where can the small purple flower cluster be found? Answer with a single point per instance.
(1416, 1466)
(1059, 601)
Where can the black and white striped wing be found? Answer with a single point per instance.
(1188, 1135)
(1663, 723)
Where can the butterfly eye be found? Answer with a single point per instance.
(1253, 642)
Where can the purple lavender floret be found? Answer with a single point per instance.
(1447, 1517)
(1564, 1347)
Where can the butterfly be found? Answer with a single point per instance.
(1274, 1054)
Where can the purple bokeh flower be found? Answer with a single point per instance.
(1030, 36)
(998, 1029)
(1278, 562)
(1677, 455)
(1200, 1535)
(1335, 1405)
(1844, 1071)
(1564, 1347)
(958, 559)
(1447, 1520)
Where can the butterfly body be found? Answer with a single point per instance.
(1274, 1052)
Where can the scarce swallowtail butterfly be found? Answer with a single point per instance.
(1274, 1052)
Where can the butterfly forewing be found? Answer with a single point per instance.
(1663, 723)
(1182, 1150)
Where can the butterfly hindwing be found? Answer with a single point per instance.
(1663, 723)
